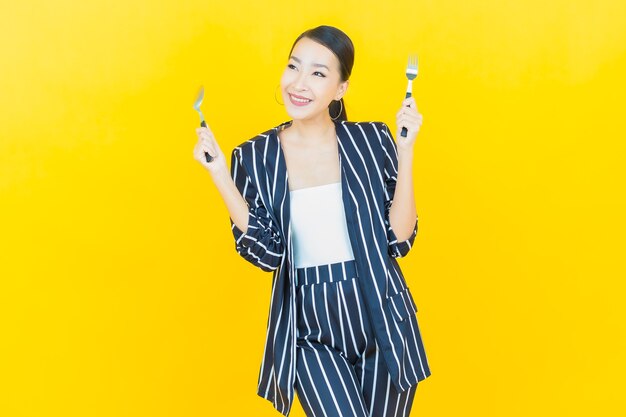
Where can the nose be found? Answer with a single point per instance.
(300, 83)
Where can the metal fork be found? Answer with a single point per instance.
(411, 73)
(196, 106)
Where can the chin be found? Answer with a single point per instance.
(295, 114)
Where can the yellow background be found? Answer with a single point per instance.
(121, 293)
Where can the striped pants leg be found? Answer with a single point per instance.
(339, 368)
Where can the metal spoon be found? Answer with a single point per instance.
(196, 106)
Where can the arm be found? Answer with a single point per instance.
(235, 203)
(257, 237)
(400, 213)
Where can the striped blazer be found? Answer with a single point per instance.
(368, 166)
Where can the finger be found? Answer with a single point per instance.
(198, 155)
(212, 146)
(218, 150)
(205, 137)
(208, 147)
(210, 138)
(409, 114)
(411, 118)
(407, 111)
(205, 130)
(408, 121)
(409, 102)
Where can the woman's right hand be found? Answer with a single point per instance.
(207, 143)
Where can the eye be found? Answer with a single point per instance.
(291, 66)
(317, 72)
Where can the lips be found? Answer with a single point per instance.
(299, 100)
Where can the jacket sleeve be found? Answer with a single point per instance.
(261, 244)
(397, 249)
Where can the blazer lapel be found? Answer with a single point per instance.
(346, 180)
(280, 187)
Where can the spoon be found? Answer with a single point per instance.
(196, 106)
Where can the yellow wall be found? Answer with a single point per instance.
(121, 293)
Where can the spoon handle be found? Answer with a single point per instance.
(208, 157)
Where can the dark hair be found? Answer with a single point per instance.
(341, 45)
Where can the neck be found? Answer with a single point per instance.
(313, 131)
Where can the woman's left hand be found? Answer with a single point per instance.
(408, 117)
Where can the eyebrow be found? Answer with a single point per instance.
(314, 64)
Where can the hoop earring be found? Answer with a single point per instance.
(340, 111)
(282, 104)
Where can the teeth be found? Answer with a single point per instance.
(299, 100)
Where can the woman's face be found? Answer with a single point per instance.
(311, 80)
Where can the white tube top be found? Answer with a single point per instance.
(318, 226)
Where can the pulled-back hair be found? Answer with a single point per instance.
(341, 45)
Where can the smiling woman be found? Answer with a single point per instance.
(324, 54)
(327, 205)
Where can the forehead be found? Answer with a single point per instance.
(310, 52)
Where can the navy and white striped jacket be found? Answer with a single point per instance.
(368, 165)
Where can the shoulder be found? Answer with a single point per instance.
(256, 140)
(366, 127)
(366, 131)
(260, 141)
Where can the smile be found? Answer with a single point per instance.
(299, 101)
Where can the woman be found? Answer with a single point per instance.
(328, 206)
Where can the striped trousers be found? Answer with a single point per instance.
(339, 368)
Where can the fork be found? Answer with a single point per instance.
(196, 106)
(411, 73)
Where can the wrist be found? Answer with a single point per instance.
(405, 154)
(220, 176)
